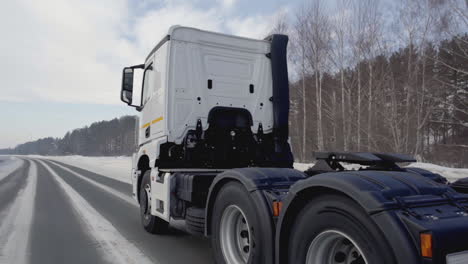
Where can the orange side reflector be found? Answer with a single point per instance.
(426, 245)
(277, 206)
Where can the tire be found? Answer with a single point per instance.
(195, 221)
(234, 199)
(152, 224)
(333, 225)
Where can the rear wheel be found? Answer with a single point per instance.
(333, 229)
(234, 223)
(151, 223)
(333, 247)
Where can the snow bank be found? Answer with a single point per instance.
(9, 164)
(302, 166)
(452, 174)
(118, 168)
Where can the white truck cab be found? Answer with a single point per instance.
(192, 71)
(194, 75)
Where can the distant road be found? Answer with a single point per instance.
(51, 212)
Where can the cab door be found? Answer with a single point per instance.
(152, 123)
(147, 94)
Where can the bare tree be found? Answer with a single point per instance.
(281, 25)
(371, 90)
(368, 36)
(300, 54)
(339, 59)
(318, 41)
(358, 39)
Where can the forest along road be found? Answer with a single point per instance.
(51, 212)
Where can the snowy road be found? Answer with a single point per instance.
(51, 212)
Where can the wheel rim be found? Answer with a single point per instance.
(235, 235)
(146, 202)
(334, 247)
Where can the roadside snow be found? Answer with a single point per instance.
(452, 174)
(305, 166)
(9, 164)
(118, 168)
(302, 166)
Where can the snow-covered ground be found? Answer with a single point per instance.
(8, 164)
(119, 167)
(452, 174)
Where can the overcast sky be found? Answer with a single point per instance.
(61, 60)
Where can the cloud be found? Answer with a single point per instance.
(155, 24)
(61, 50)
(255, 26)
(227, 4)
(252, 27)
(74, 50)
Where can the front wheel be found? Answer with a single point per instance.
(151, 223)
(333, 229)
(234, 227)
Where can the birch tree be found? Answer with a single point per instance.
(339, 59)
(318, 44)
(300, 50)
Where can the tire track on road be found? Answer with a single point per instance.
(119, 194)
(113, 246)
(57, 235)
(120, 186)
(180, 225)
(16, 225)
(11, 185)
(126, 219)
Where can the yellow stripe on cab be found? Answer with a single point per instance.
(157, 120)
(152, 122)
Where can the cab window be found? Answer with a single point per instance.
(147, 84)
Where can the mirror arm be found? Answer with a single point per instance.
(139, 66)
(137, 107)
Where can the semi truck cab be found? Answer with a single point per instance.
(213, 151)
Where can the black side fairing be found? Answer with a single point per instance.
(402, 204)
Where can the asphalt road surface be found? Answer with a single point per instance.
(51, 212)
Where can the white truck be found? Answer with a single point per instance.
(213, 150)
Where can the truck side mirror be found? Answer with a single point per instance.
(126, 94)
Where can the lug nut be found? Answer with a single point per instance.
(244, 234)
(340, 257)
(246, 249)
